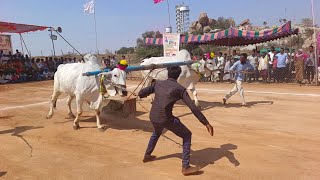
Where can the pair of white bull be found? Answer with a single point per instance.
(68, 79)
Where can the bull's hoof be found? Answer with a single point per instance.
(76, 127)
(102, 129)
(49, 116)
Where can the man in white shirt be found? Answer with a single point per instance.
(219, 66)
(253, 59)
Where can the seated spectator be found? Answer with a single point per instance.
(14, 77)
(23, 77)
(38, 64)
(44, 75)
(8, 77)
(2, 77)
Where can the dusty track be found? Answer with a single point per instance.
(276, 137)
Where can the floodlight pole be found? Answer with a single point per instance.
(54, 51)
(316, 44)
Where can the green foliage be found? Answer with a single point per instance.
(223, 23)
(126, 50)
(143, 50)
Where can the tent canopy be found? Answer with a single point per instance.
(233, 36)
(7, 27)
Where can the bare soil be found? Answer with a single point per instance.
(276, 137)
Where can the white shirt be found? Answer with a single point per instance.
(220, 62)
(271, 57)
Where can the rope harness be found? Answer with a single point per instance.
(143, 80)
(103, 89)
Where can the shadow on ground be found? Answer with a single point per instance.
(204, 157)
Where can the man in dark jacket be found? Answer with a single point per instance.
(166, 94)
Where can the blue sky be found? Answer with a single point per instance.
(121, 22)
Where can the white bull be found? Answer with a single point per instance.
(189, 76)
(68, 79)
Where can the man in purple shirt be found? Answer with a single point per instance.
(166, 94)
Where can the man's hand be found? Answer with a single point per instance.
(210, 129)
(153, 67)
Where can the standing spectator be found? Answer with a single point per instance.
(227, 75)
(253, 59)
(299, 63)
(281, 65)
(235, 55)
(288, 65)
(107, 62)
(220, 65)
(310, 65)
(18, 54)
(263, 66)
(271, 55)
(10, 55)
(113, 62)
(273, 69)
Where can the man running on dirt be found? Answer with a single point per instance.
(167, 92)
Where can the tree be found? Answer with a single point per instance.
(144, 50)
(307, 22)
(223, 23)
(126, 50)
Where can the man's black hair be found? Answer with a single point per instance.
(174, 72)
(244, 55)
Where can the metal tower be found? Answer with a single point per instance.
(182, 18)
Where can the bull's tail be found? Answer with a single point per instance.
(54, 102)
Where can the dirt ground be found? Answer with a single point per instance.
(276, 137)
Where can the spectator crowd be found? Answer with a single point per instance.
(16, 67)
(273, 66)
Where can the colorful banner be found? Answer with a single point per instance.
(171, 42)
(5, 43)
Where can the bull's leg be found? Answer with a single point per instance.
(99, 124)
(79, 102)
(194, 93)
(53, 103)
(69, 100)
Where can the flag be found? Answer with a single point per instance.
(88, 7)
(157, 1)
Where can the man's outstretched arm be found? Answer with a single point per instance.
(195, 110)
(146, 91)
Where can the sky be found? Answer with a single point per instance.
(121, 22)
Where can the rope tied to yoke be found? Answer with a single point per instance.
(103, 89)
(144, 80)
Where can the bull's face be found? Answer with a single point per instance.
(92, 59)
(119, 81)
